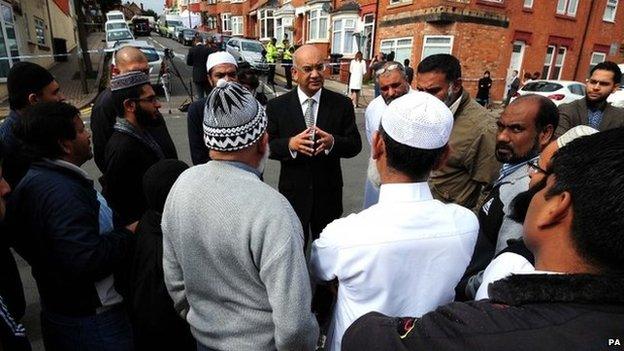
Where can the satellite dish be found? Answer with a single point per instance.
(326, 7)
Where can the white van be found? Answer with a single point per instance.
(115, 15)
(167, 25)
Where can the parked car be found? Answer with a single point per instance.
(140, 26)
(617, 98)
(115, 15)
(176, 32)
(186, 36)
(559, 91)
(248, 50)
(115, 24)
(117, 35)
(154, 59)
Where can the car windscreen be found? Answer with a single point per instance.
(174, 23)
(252, 46)
(119, 35)
(542, 86)
(188, 33)
(116, 17)
(117, 25)
(151, 54)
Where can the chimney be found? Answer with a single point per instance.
(142, 7)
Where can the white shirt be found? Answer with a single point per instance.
(401, 257)
(357, 69)
(372, 115)
(303, 101)
(501, 267)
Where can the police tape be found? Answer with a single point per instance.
(160, 53)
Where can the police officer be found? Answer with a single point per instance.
(271, 58)
(287, 51)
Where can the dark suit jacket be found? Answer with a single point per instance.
(197, 57)
(304, 180)
(195, 128)
(576, 113)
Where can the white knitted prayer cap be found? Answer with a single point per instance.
(419, 120)
(218, 58)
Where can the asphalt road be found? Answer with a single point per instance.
(354, 171)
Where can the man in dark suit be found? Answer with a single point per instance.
(594, 110)
(197, 57)
(310, 130)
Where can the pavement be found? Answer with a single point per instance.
(68, 77)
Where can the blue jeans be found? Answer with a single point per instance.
(110, 330)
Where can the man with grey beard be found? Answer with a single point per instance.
(392, 84)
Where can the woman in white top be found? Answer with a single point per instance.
(357, 70)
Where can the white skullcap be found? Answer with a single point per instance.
(218, 58)
(419, 120)
(573, 133)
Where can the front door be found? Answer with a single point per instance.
(515, 64)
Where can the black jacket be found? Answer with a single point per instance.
(126, 159)
(103, 116)
(197, 57)
(313, 184)
(57, 212)
(526, 312)
(195, 128)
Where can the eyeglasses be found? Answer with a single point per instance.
(534, 169)
(308, 69)
(389, 68)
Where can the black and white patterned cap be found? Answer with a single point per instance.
(233, 118)
(128, 80)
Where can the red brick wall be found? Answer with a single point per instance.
(484, 47)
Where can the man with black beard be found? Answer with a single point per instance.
(131, 150)
(524, 129)
(517, 258)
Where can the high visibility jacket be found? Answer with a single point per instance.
(271, 53)
(288, 51)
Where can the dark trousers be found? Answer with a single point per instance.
(271, 74)
(106, 331)
(287, 64)
(200, 90)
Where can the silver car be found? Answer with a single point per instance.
(247, 50)
(154, 58)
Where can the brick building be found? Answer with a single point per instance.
(561, 39)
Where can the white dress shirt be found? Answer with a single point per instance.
(303, 101)
(401, 257)
(504, 265)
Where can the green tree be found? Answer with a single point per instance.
(150, 12)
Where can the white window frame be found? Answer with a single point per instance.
(226, 22)
(425, 46)
(319, 35)
(394, 46)
(610, 5)
(3, 30)
(565, 8)
(528, 4)
(551, 62)
(372, 32)
(556, 58)
(602, 57)
(212, 22)
(263, 22)
(212, 2)
(238, 26)
(342, 32)
(40, 31)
